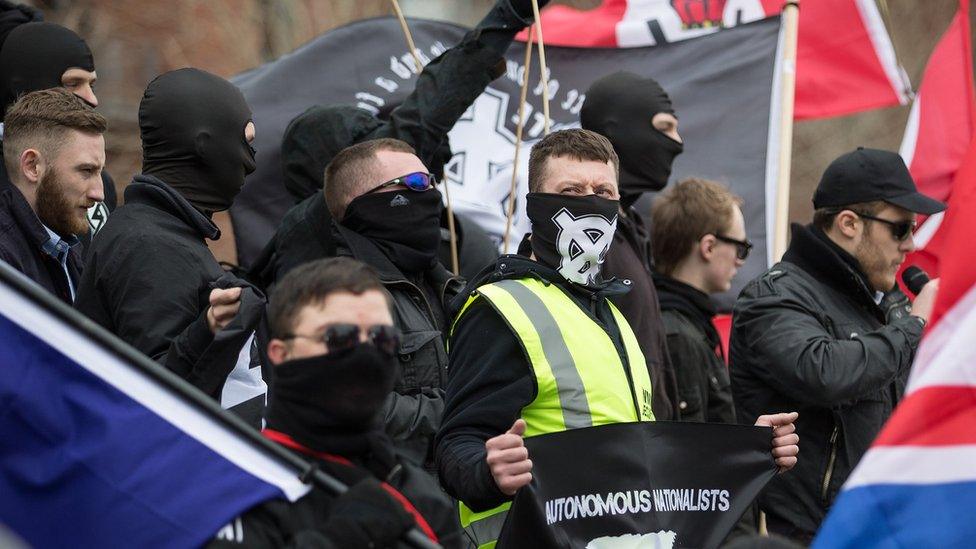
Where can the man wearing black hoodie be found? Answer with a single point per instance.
(151, 279)
(38, 56)
(636, 115)
(334, 350)
(446, 88)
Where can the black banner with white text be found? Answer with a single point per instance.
(659, 485)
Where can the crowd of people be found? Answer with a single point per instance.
(350, 342)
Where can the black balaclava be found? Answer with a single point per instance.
(317, 398)
(192, 125)
(620, 107)
(312, 140)
(572, 234)
(404, 224)
(35, 55)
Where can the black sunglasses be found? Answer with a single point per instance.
(742, 247)
(901, 230)
(416, 181)
(342, 337)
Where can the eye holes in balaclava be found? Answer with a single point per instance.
(35, 55)
(192, 125)
(620, 107)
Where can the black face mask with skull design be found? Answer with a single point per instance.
(572, 234)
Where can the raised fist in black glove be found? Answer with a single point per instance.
(367, 516)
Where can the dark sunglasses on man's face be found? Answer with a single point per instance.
(742, 247)
(342, 337)
(416, 181)
(901, 230)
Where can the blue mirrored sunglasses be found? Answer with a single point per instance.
(416, 181)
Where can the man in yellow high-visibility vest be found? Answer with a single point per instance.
(537, 347)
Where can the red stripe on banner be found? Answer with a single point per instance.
(596, 28)
(837, 68)
(933, 416)
(956, 265)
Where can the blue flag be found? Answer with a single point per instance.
(95, 452)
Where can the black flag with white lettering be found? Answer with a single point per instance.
(659, 485)
(721, 85)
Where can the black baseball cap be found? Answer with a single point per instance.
(866, 175)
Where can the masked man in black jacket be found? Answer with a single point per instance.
(385, 213)
(445, 89)
(636, 115)
(538, 347)
(815, 332)
(38, 56)
(334, 351)
(151, 279)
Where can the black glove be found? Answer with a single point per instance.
(524, 7)
(367, 516)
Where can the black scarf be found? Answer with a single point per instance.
(35, 55)
(405, 225)
(620, 107)
(192, 125)
(331, 403)
(572, 234)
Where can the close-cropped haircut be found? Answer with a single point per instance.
(41, 120)
(312, 283)
(350, 171)
(577, 144)
(683, 214)
(823, 218)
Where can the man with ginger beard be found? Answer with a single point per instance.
(54, 153)
(39, 55)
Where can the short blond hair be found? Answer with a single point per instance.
(683, 214)
(41, 119)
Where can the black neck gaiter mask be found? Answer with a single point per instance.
(405, 225)
(192, 125)
(327, 402)
(620, 107)
(572, 234)
(35, 56)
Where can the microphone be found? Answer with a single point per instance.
(914, 279)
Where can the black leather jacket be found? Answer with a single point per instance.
(413, 411)
(808, 336)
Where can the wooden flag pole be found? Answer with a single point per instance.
(455, 266)
(544, 71)
(518, 140)
(791, 26)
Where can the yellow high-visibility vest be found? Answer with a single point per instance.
(580, 378)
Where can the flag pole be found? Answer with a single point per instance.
(455, 266)
(518, 139)
(543, 69)
(791, 26)
(307, 472)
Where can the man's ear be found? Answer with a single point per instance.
(32, 165)
(848, 224)
(706, 247)
(277, 351)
